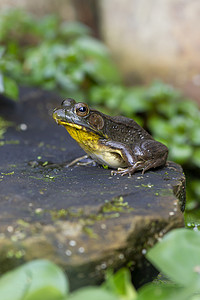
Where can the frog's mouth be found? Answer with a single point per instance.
(64, 123)
(61, 121)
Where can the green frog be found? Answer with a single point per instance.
(118, 142)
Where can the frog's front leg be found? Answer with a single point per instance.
(126, 157)
(77, 161)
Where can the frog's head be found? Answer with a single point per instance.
(79, 116)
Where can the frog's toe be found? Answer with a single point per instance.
(115, 172)
(121, 171)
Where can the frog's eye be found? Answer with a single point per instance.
(81, 109)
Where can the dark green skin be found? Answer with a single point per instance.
(128, 142)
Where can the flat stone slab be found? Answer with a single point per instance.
(81, 218)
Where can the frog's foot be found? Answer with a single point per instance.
(152, 164)
(78, 161)
(129, 170)
(141, 165)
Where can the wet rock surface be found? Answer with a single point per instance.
(80, 217)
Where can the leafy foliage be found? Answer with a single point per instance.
(177, 256)
(8, 86)
(47, 53)
(39, 279)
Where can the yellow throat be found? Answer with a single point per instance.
(88, 140)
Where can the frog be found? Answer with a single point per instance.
(114, 141)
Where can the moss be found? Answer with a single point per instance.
(89, 231)
(109, 210)
(7, 174)
(18, 254)
(46, 177)
(116, 204)
(4, 124)
(66, 213)
(147, 185)
(2, 175)
(11, 142)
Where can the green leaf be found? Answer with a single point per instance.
(164, 292)
(159, 92)
(73, 29)
(195, 184)
(178, 257)
(188, 107)
(18, 281)
(103, 71)
(10, 88)
(196, 157)
(195, 297)
(120, 284)
(160, 128)
(39, 279)
(192, 218)
(47, 26)
(2, 51)
(181, 153)
(95, 293)
(1, 84)
(195, 133)
(91, 47)
(134, 101)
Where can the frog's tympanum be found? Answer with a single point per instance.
(118, 142)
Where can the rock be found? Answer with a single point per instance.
(80, 218)
(148, 40)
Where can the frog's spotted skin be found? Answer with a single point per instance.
(118, 142)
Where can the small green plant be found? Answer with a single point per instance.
(8, 86)
(177, 256)
(51, 54)
(38, 279)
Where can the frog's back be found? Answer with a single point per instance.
(124, 130)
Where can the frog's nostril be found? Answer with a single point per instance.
(58, 113)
